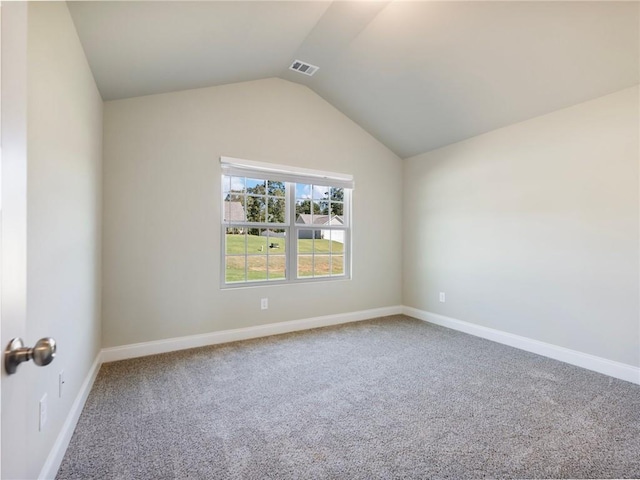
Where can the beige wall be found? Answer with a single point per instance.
(162, 208)
(533, 229)
(64, 150)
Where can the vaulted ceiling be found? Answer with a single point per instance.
(416, 75)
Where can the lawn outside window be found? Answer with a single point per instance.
(283, 224)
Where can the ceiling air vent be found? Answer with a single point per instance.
(302, 67)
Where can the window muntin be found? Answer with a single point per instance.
(279, 231)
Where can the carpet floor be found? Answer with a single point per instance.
(387, 398)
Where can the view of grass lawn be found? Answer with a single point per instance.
(254, 244)
(317, 257)
(320, 265)
(256, 268)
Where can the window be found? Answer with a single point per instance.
(282, 224)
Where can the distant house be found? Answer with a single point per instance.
(271, 233)
(234, 212)
(307, 219)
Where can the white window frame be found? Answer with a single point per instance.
(289, 176)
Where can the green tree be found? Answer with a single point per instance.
(276, 189)
(275, 202)
(265, 203)
(255, 206)
(333, 200)
(305, 207)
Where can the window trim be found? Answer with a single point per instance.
(289, 176)
(244, 168)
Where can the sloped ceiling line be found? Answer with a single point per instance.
(416, 75)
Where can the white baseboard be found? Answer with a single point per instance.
(573, 357)
(181, 343)
(54, 460)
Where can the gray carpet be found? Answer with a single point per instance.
(387, 398)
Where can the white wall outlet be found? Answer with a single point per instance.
(43, 412)
(442, 297)
(60, 383)
(264, 303)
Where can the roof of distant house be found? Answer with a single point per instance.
(233, 212)
(309, 219)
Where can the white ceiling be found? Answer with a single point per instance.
(416, 75)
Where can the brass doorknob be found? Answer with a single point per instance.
(42, 353)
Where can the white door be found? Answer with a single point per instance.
(14, 389)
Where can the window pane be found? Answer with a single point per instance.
(277, 241)
(337, 265)
(305, 208)
(303, 212)
(233, 184)
(318, 211)
(235, 241)
(321, 265)
(237, 184)
(256, 209)
(277, 265)
(257, 267)
(303, 204)
(276, 189)
(320, 192)
(256, 186)
(276, 210)
(303, 191)
(321, 204)
(235, 197)
(337, 241)
(234, 210)
(321, 244)
(337, 194)
(305, 266)
(257, 241)
(305, 241)
(234, 271)
(337, 209)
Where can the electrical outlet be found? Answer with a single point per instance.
(442, 297)
(43, 412)
(264, 303)
(60, 383)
